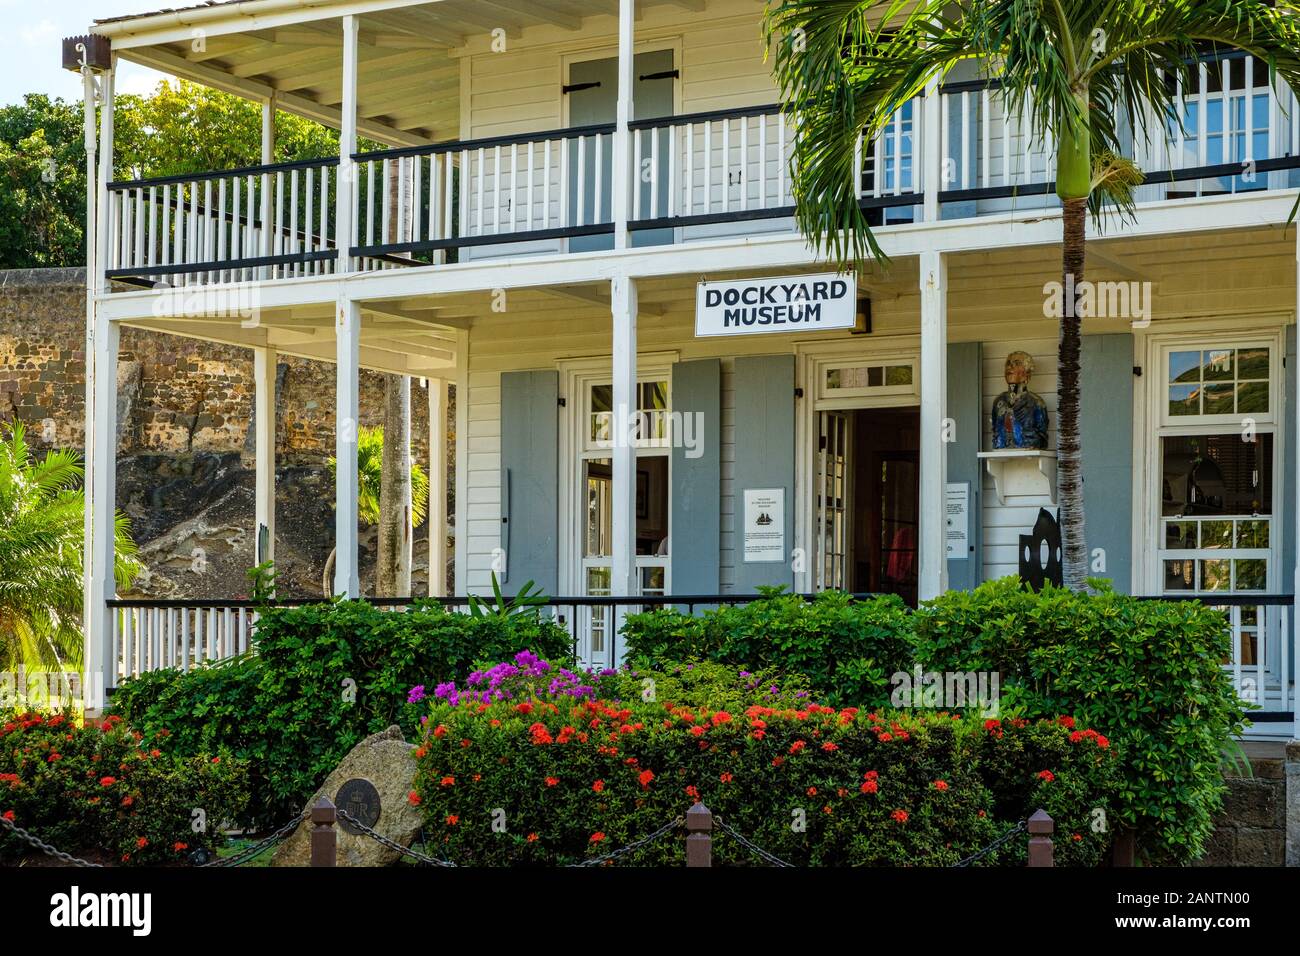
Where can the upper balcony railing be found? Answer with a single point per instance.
(695, 176)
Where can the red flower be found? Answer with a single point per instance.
(597, 837)
(1046, 775)
(941, 785)
(797, 746)
(830, 747)
(524, 708)
(142, 843)
(155, 753)
(899, 815)
(870, 787)
(107, 781)
(54, 758)
(721, 717)
(532, 838)
(726, 778)
(447, 781)
(1066, 722)
(885, 737)
(645, 777)
(452, 819)
(216, 760)
(698, 730)
(180, 847)
(552, 781)
(1078, 837)
(127, 801)
(598, 786)
(8, 815)
(777, 761)
(812, 791)
(440, 731)
(413, 798)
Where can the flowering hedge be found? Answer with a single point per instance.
(545, 782)
(110, 792)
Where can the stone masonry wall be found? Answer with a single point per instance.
(175, 395)
(185, 447)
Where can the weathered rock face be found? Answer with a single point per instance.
(387, 762)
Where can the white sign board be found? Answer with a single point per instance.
(809, 303)
(764, 525)
(957, 519)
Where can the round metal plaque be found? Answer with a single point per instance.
(358, 797)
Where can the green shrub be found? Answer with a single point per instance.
(814, 786)
(1147, 673)
(847, 649)
(111, 791)
(324, 677)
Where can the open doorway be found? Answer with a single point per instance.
(868, 500)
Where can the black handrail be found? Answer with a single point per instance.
(458, 146)
(262, 170)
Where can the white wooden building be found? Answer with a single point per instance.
(559, 178)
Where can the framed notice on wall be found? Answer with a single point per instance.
(957, 520)
(764, 525)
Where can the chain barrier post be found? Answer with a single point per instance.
(699, 836)
(1041, 829)
(324, 838)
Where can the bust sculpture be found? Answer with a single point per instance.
(1019, 416)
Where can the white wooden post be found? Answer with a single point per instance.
(932, 145)
(100, 466)
(347, 173)
(100, 660)
(268, 157)
(437, 508)
(92, 285)
(347, 331)
(264, 366)
(1294, 637)
(622, 179)
(623, 524)
(933, 578)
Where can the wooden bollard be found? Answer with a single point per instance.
(699, 836)
(324, 838)
(1041, 829)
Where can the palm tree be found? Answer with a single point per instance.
(370, 472)
(1078, 67)
(41, 533)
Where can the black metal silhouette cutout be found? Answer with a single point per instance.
(1033, 571)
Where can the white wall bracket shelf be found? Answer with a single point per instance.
(1022, 472)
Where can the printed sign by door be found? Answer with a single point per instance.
(810, 303)
(764, 517)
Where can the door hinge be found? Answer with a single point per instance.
(662, 75)
(576, 87)
(1137, 370)
(562, 402)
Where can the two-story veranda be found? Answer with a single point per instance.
(559, 177)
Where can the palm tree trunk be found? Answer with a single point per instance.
(1068, 446)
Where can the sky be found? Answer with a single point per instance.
(30, 45)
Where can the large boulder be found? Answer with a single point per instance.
(379, 770)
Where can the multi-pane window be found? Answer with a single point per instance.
(1224, 381)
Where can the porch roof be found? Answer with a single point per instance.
(408, 84)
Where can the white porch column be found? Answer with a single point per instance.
(622, 180)
(932, 149)
(437, 509)
(347, 330)
(100, 465)
(267, 245)
(100, 658)
(623, 526)
(264, 405)
(268, 130)
(933, 566)
(1293, 403)
(347, 173)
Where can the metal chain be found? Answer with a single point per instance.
(649, 838)
(44, 847)
(749, 844)
(980, 854)
(243, 856)
(393, 844)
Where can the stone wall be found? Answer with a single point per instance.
(175, 395)
(1251, 830)
(185, 446)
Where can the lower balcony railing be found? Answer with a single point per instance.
(151, 635)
